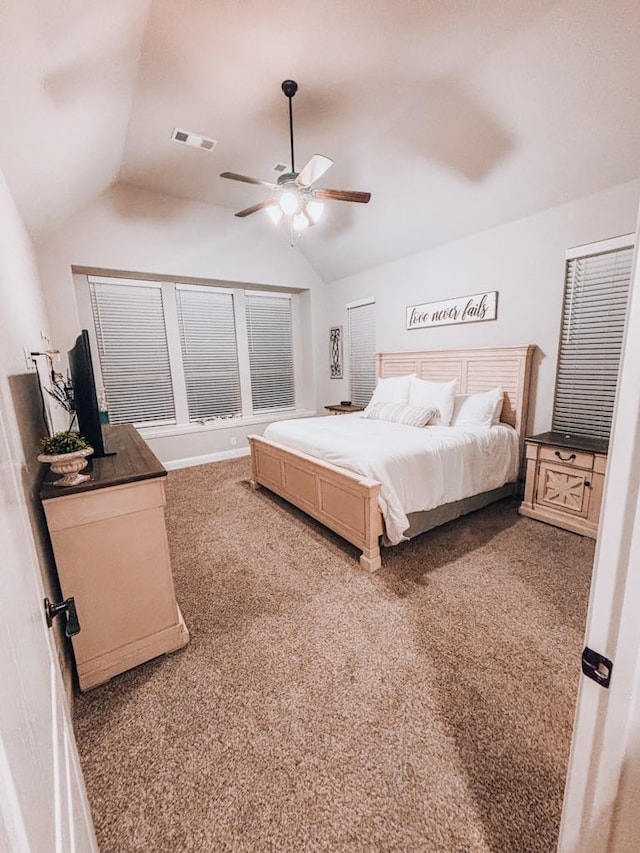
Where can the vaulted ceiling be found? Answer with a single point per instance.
(456, 116)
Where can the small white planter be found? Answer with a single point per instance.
(68, 464)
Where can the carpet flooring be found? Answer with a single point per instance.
(427, 707)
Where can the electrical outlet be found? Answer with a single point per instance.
(31, 365)
(234, 440)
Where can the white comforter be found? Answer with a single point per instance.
(419, 468)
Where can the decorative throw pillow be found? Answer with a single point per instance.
(399, 413)
(478, 409)
(436, 395)
(395, 389)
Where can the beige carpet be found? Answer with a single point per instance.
(427, 707)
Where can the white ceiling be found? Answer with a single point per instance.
(456, 116)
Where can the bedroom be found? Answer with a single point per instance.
(576, 193)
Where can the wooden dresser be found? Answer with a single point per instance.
(110, 546)
(564, 480)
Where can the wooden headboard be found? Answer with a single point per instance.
(475, 370)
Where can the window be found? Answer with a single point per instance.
(209, 352)
(593, 321)
(362, 351)
(172, 353)
(133, 351)
(270, 335)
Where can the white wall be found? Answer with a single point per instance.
(22, 312)
(22, 319)
(136, 231)
(523, 261)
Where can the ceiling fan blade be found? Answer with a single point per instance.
(246, 180)
(261, 205)
(315, 168)
(342, 195)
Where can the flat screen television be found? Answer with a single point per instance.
(85, 396)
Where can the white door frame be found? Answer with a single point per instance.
(603, 782)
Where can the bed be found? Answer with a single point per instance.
(349, 502)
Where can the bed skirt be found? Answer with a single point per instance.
(420, 522)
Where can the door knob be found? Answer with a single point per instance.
(69, 607)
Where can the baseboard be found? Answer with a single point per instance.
(189, 461)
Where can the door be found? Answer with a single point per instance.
(43, 805)
(602, 796)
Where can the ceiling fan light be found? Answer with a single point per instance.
(300, 222)
(289, 203)
(314, 210)
(275, 213)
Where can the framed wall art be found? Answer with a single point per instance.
(335, 352)
(462, 309)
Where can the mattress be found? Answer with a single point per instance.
(419, 468)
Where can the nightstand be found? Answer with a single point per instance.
(564, 480)
(339, 409)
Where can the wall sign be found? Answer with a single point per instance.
(462, 309)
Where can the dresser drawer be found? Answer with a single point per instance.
(567, 456)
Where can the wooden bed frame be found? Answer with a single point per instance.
(347, 503)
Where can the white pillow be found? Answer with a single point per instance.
(435, 395)
(395, 389)
(399, 413)
(478, 409)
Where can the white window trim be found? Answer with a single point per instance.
(612, 244)
(242, 342)
(367, 300)
(176, 366)
(277, 293)
(156, 431)
(146, 282)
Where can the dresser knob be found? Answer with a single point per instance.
(587, 484)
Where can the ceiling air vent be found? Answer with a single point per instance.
(280, 167)
(194, 140)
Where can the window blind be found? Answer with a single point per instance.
(593, 322)
(362, 351)
(133, 351)
(270, 339)
(209, 352)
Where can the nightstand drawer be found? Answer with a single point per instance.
(567, 456)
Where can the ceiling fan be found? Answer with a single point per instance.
(295, 196)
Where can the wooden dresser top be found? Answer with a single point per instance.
(133, 461)
(571, 440)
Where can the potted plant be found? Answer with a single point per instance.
(67, 453)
